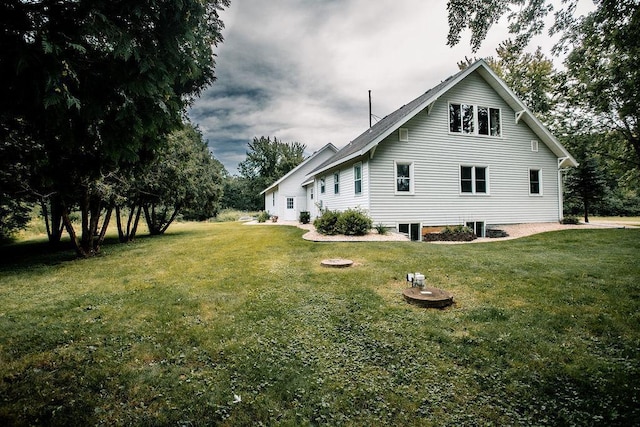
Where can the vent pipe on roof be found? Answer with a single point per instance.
(369, 108)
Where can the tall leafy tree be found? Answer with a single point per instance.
(267, 161)
(183, 175)
(604, 53)
(530, 75)
(99, 82)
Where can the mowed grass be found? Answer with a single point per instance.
(225, 324)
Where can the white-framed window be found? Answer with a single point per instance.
(289, 202)
(534, 145)
(336, 183)
(461, 118)
(403, 134)
(404, 177)
(488, 121)
(474, 180)
(357, 178)
(535, 182)
(474, 120)
(322, 185)
(312, 192)
(477, 227)
(273, 199)
(412, 230)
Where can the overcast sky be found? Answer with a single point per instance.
(300, 70)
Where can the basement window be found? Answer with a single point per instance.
(477, 227)
(411, 230)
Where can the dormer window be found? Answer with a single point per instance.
(471, 120)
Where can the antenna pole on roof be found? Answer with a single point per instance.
(369, 108)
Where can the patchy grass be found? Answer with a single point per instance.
(633, 221)
(168, 330)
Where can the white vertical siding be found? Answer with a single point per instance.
(437, 155)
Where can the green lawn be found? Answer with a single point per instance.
(168, 330)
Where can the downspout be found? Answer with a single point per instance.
(560, 189)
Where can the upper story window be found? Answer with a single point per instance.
(461, 118)
(404, 178)
(474, 180)
(357, 178)
(535, 181)
(472, 120)
(322, 185)
(488, 121)
(336, 183)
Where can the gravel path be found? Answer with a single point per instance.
(513, 230)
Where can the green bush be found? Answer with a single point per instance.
(570, 220)
(263, 216)
(381, 229)
(451, 233)
(326, 223)
(354, 222)
(456, 229)
(305, 217)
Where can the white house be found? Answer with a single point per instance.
(289, 195)
(467, 151)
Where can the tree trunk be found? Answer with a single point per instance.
(105, 226)
(52, 219)
(635, 143)
(121, 236)
(133, 218)
(91, 211)
(72, 234)
(173, 217)
(134, 229)
(86, 237)
(586, 211)
(150, 217)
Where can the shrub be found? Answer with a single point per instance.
(456, 229)
(456, 233)
(326, 223)
(354, 222)
(305, 217)
(570, 220)
(263, 216)
(495, 233)
(381, 229)
(231, 215)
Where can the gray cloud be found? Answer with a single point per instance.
(300, 70)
